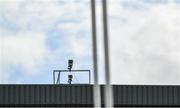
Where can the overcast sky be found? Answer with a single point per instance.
(38, 36)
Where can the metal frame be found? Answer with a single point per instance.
(59, 72)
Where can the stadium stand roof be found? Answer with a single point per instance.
(82, 95)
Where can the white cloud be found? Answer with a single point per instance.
(26, 50)
(80, 47)
(24, 46)
(145, 45)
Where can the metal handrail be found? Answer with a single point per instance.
(59, 71)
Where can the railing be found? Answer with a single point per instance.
(56, 80)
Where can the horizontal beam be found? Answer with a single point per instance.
(71, 70)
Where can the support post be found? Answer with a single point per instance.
(96, 87)
(108, 88)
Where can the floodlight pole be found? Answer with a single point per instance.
(97, 94)
(108, 87)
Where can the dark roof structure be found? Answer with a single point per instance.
(82, 95)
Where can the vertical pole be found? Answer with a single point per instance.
(96, 87)
(89, 77)
(58, 79)
(53, 77)
(108, 88)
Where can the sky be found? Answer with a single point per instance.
(39, 36)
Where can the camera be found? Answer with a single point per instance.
(70, 64)
(70, 77)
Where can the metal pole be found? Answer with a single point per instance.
(89, 77)
(53, 77)
(59, 77)
(108, 87)
(97, 94)
(58, 81)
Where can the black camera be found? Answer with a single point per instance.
(70, 77)
(70, 64)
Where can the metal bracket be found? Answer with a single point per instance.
(57, 80)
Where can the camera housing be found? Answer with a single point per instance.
(70, 77)
(70, 64)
